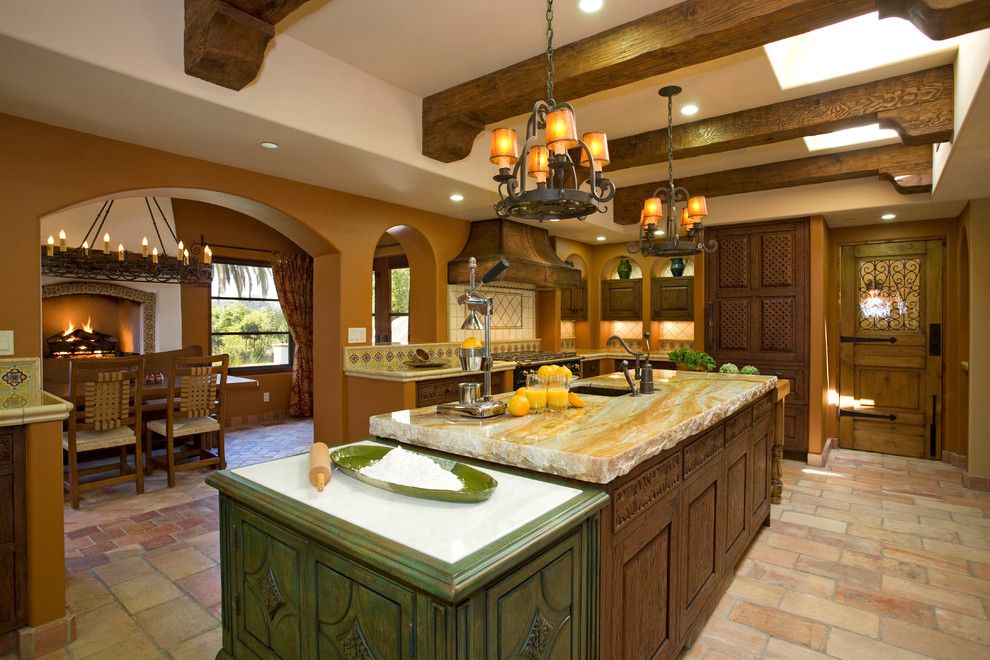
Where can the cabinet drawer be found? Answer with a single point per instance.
(738, 426)
(764, 406)
(445, 390)
(637, 497)
(702, 450)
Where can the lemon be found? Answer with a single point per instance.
(565, 372)
(471, 342)
(574, 400)
(518, 406)
(547, 370)
(521, 391)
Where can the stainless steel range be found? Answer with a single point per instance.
(528, 362)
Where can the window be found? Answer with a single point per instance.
(246, 320)
(390, 300)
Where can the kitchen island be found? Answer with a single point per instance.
(684, 476)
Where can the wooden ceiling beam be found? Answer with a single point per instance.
(691, 32)
(225, 40)
(908, 168)
(918, 106)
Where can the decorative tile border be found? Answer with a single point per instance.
(23, 373)
(392, 356)
(568, 344)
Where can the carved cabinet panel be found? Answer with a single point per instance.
(761, 445)
(736, 485)
(622, 300)
(672, 298)
(574, 303)
(702, 499)
(13, 534)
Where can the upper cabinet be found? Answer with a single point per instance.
(672, 298)
(622, 300)
(574, 303)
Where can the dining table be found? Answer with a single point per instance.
(151, 391)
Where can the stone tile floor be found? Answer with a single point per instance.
(870, 557)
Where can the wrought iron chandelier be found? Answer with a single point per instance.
(559, 192)
(682, 233)
(87, 263)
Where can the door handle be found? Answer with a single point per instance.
(867, 415)
(867, 340)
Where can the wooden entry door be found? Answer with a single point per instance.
(891, 347)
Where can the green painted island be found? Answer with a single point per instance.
(613, 532)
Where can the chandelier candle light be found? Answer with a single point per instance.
(682, 230)
(83, 263)
(558, 193)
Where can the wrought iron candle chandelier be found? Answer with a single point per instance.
(88, 262)
(559, 192)
(682, 233)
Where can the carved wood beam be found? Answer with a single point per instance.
(939, 19)
(908, 168)
(688, 33)
(917, 105)
(226, 40)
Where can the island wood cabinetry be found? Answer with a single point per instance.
(622, 300)
(672, 298)
(13, 535)
(674, 531)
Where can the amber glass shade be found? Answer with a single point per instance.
(504, 147)
(652, 210)
(697, 208)
(598, 144)
(538, 163)
(686, 220)
(561, 130)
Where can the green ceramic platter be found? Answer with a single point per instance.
(478, 486)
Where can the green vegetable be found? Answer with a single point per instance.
(692, 359)
(750, 370)
(728, 368)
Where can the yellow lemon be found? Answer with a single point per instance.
(521, 391)
(546, 370)
(518, 406)
(471, 342)
(565, 372)
(574, 400)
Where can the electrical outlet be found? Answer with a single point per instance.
(6, 342)
(357, 335)
(266, 397)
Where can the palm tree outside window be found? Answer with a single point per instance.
(246, 319)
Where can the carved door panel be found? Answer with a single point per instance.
(643, 586)
(622, 300)
(737, 489)
(701, 504)
(760, 450)
(359, 614)
(672, 298)
(268, 595)
(533, 612)
(891, 334)
(573, 303)
(757, 307)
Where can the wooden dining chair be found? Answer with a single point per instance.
(197, 391)
(106, 395)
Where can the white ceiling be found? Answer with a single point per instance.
(341, 91)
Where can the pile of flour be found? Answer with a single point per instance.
(408, 468)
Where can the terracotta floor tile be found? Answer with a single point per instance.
(958, 582)
(885, 536)
(203, 586)
(850, 646)
(802, 546)
(932, 643)
(960, 625)
(899, 607)
(123, 570)
(850, 517)
(838, 572)
(927, 531)
(183, 562)
(745, 588)
(787, 578)
(925, 558)
(845, 541)
(781, 624)
(779, 649)
(172, 623)
(807, 520)
(952, 600)
(147, 591)
(201, 647)
(100, 629)
(955, 550)
(736, 640)
(772, 555)
(830, 613)
(83, 593)
(136, 646)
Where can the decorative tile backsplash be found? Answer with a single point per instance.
(567, 330)
(392, 358)
(513, 314)
(20, 373)
(568, 344)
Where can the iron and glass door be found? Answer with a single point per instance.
(890, 382)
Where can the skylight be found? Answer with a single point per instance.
(859, 44)
(859, 135)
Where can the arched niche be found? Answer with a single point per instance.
(610, 268)
(576, 261)
(661, 267)
(403, 247)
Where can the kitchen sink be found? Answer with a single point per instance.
(599, 391)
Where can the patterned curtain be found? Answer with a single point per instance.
(293, 273)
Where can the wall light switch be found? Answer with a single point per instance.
(357, 335)
(6, 342)
(266, 397)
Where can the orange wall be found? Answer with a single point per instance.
(945, 229)
(46, 169)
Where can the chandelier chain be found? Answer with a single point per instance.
(550, 99)
(670, 141)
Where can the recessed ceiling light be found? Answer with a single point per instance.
(269, 145)
(689, 109)
(888, 216)
(590, 6)
(457, 197)
(601, 238)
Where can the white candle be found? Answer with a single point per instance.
(180, 250)
(144, 247)
(50, 248)
(154, 255)
(61, 240)
(106, 243)
(185, 257)
(120, 252)
(207, 255)
(85, 247)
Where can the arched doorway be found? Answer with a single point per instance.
(404, 288)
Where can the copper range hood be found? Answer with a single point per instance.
(527, 248)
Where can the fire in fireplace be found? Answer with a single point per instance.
(83, 341)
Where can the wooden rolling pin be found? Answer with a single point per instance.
(319, 465)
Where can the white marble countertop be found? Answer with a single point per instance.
(20, 406)
(411, 521)
(407, 375)
(597, 443)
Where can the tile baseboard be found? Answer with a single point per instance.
(821, 460)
